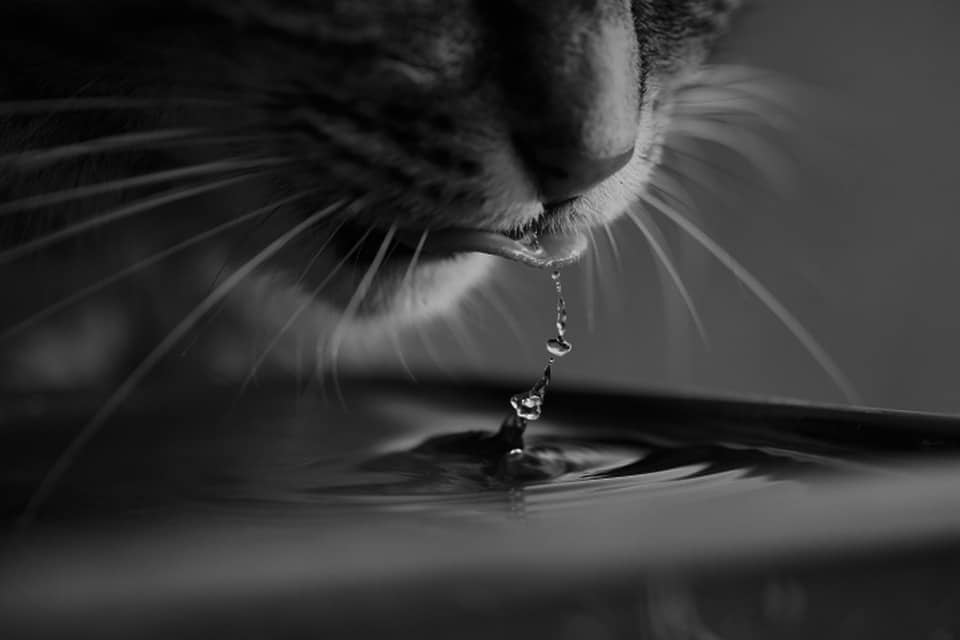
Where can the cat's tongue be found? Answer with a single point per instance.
(547, 251)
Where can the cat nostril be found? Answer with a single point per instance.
(562, 175)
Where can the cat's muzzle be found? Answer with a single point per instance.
(540, 245)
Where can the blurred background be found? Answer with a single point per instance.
(861, 244)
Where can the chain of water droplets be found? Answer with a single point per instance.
(528, 406)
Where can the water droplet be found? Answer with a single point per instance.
(541, 387)
(527, 405)
(558, 347)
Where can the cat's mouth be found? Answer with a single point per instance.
(549, 241)
(542, 243)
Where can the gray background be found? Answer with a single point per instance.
(862, 246)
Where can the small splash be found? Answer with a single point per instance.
(528, 406)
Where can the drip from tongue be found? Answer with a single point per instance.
(548, 251)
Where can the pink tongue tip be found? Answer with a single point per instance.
(549, 251)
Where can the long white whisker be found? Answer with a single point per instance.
(737, 100)
(760, 85)
(144, 264)
(612, 241)
(404, 283)
(359, 294)
(68, 105)
(688, 148)
(594, 273)
(792, 324)
(147, 204)
(430, 349)
(664, 258)
(675, 312)
(505, 311)
(667, 172)
(401, 357)
(456, 326)
(195, 171)
(116, 399)
(265, 353)
(763, 156)
(39, 157)
(412, 265)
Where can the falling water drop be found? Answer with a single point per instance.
(558, 347)
(528, 406)
(561, 307)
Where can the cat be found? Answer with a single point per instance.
(289, 176)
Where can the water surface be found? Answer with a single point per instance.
(200, 509)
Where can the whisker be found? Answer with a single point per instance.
(404, 283)
(608, 287)
(612, 241)
(691, 149)
(504, 310)
(226, 260)
(39, 157)
(151, 141)
(424, 337)
(66, 105)
(593, 273)
(151, 260)
(678, 346)
(765, 157)
(398, 349)
(792, 324)
(58, 197)
(667, 171)
(360, 293)
(456, 327)
(759, 84)
(275, 340)
(412, 265)
(116, 399)
(353, 304)
(147, 204)
(664, 258)
(770, 106)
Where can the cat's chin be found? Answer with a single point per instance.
(299, 327)
(433, 287)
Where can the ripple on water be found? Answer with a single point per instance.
(432, 449)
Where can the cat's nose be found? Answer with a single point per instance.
(563, 173)
(571, 81)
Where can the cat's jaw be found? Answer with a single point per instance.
(294, 328)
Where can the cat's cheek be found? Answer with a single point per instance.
(437, 287)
